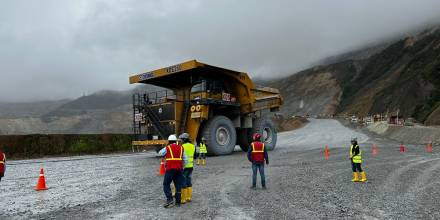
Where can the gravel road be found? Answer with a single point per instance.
(301, 183)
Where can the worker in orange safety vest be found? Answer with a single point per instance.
(175, 161)
(257, 155)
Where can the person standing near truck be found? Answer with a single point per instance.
(2, 163)
(202, 152)
(175, 160)
(187, 171)
(257, 155)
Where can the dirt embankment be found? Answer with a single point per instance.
(410, 135)
(288, 124)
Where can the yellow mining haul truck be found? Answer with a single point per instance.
(223, 106)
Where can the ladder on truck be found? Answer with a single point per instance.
(142, 114)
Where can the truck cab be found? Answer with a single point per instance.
(211, 91)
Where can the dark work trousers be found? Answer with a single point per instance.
(260, 167)
(356, 167)
(187, 174)
(176, 177)
(202, 156)
(2, 174)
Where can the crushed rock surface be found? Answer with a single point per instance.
(301, 183)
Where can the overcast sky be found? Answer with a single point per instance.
(62, 49)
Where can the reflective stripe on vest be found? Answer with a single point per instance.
(172, 155)
(203, 149)
(257, 151)
(189, 151)
(357, 158)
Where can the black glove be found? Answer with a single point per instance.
(267, 162)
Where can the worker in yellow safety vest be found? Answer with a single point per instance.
(356, 161)
(188, 169)
(202, 152)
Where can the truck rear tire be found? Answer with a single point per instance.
(220, 135)
(266, 128)
(244, 138)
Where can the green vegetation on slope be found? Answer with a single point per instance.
(428, 66)
(39, 145)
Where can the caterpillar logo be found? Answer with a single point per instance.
(145, 76)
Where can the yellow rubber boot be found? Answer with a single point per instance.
(173, 190)
(364, 177)
(183, 196)
(204, 162)
(355, 177)
(186, 194)
(198, 161)
(189, 194)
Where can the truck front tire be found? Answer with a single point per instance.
(220, 135)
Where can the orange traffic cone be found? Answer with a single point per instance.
(429, 147)
(162, 168)
(402, 148)
(375, 150)
(41, 184)
(326, 152)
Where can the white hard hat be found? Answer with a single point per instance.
(172, 137)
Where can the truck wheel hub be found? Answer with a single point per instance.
(267, 135)
(222, 136)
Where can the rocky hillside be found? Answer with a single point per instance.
(315, 91)
(404, 76)
(29, 109)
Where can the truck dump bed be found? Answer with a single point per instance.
(254, 97)
(266, 97)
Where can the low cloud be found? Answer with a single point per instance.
(62, 49)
